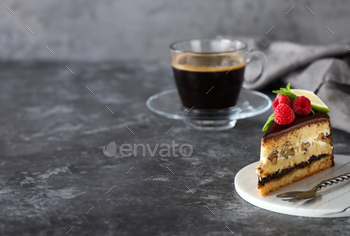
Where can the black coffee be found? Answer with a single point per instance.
(209, 87)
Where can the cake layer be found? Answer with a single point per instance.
(278, 174)
(297, 174)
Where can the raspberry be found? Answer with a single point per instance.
(302, 106)
(284, 115)
(281, 99)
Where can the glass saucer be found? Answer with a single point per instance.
(168, 104)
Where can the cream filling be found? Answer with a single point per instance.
(297, 147)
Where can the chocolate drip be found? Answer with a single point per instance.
(276, 130)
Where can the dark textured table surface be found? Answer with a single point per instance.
(55, 178)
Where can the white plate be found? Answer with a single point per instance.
(331, 201)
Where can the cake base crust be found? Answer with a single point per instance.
(296, 175)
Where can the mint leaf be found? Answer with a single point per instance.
(288, 87)
(268, 122)
(281, 91)
(286, 91)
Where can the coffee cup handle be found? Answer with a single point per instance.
(262, 67)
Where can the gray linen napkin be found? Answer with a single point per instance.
(324, 70)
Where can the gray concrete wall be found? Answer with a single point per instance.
(140, 29)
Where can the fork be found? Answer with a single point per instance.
(306, 195)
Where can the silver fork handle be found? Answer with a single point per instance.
(331, 181)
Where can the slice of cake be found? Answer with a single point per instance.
(291, 152)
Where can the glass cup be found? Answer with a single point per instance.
(209, 74)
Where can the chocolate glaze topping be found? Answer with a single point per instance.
(276, 130)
